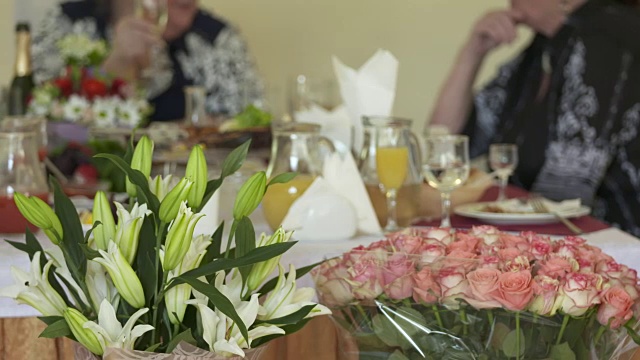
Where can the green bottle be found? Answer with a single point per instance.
(22, 83)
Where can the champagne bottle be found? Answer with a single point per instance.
(22, 83)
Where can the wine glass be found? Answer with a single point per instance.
(445, 166)
(392, 165)
(503, 159)
(153, 11)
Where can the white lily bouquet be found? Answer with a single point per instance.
(145, 283)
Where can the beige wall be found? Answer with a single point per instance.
(288, 37)
(299, 36)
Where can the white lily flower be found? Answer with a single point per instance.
(109, 331)
(176, 297)
(128, 228)
(56, 256)
(285, 299)
(233, 291)
(34, 289)
(123, 276)
(74, 109)
(160, 186)
(100, 286)
(220, 332)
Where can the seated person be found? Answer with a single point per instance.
(570, 101)
(197, 48)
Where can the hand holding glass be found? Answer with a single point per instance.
(446, 167)
(154, 11)
(503, 159)
(392, 163)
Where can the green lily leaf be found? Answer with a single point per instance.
(290, 319)
(73, 234)
(271, 284)
(56, 330)
(282, 178)
(254, 256)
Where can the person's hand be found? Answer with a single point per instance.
(132, 41)
(492, 30)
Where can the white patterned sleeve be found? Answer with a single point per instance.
(47, 63)
(232, 80)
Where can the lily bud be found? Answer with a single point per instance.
(250, 195)
(106, 231)
(122, 275)
(196, 172)
(40, 214)
(171, 204)
(179, 237)
(128, 230)
(141, 161)
(86, 337)
(159, 186)
(260, 271)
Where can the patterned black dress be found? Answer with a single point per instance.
(572, 104)
(209, 54)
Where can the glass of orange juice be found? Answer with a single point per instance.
(392, 164)
(296, 147)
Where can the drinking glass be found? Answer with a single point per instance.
(446, 167)
(392, 166)
(154, 11)
(305, 93)
(503, 159)
(195, 98)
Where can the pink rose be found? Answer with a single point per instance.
(380, 245)
(398, 265)
(426, 289)
(482, 283)
(556, 267)
(541, 247)
(614, 270)
(360, 254)
(462, 260)
(487, 233)
(401, 288)
(517, 242)
(442, 235)
(431, 250)
(332, 285)
(616, 307)
(453, 286)
(518, 264)
(489, 262)
(464, 242)
(365, 278)
(509, 254)
(514, 290)
(565, 250)
(546, 301)
(575, 241)
(580, 292)
(406, 243)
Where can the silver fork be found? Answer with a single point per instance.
(539, 206)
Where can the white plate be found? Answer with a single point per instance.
(475, 211)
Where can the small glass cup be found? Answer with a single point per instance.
(195, 113)
(503, 159)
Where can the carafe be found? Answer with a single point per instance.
(20, 171)
(408, 196)
(296, 147)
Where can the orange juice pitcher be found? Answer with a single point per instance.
(296, 147)
(397, 167)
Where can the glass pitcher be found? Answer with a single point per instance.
(20, 171)
(296, 147)
(408, 196)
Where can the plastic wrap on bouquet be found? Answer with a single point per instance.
(428, 294)
(183, 351)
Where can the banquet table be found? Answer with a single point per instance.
(19, 326)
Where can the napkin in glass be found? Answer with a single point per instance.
(369, 90)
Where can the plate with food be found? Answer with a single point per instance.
(521, 211)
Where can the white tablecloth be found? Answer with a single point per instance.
(623, 247)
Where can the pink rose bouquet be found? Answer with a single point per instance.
(482, 294)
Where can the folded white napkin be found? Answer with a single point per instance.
(369, 90)
(336, 124)
(336, 206)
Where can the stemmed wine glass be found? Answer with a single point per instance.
(503, 159)
(392, 164)
(446, 166)
(155, 12)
